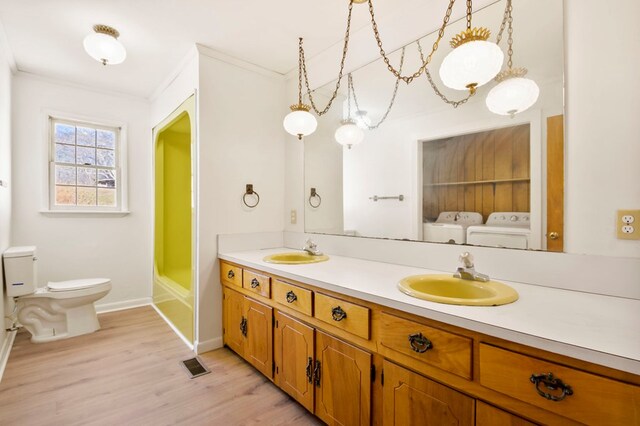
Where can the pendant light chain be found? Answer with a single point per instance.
(393, 97)
(510, 40)
(410, 78)
(469, 11)
(300, 71)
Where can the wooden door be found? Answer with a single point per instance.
(233, 320)
(488, 415)
(411, 400)
(293, 354)
(343, 382)
(555, 183)
(258, 348)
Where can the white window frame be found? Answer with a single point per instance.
(121, 206)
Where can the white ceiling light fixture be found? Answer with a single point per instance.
(513, 93)
(103, 45)
(349, 134)
(300, 122)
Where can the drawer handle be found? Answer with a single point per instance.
(338, 314)
(231, 274)
(419, 343)
(316, 373)
(291, 297)
(255, 283)
(551, 383)
(309, 370)
(243, 326)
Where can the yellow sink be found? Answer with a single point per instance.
(295, 258)
(456, 291)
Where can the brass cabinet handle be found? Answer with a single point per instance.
(554, 235)
(255, 283)
(338, 314)
(551, 383)
(419, 343)
(291, 297)
(243, 326)
(231, 274)
(316, 373)
(309, 371)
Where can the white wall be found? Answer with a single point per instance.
(77, 246)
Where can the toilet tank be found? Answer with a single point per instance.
(20, 270)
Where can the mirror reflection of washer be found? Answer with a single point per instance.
(450, 227)
(503, 229)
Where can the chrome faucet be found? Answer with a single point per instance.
(311, 248)
(467, 271)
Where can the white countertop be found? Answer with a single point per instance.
(601, 329)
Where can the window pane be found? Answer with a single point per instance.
(106, 197)
(65, 154)
(65, 175)
(65, 195)
(107, 178)
(86, 196)
(106, 157)
(106, 139)
(86, 156)
(86, 136)
(86, 177)
(64, 133)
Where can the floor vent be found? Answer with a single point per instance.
(195, 367)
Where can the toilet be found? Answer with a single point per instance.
(58, 311)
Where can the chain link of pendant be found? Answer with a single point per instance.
(344, 56)
(507, 19)
(408, 79)
(393, 97)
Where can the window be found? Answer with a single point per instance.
(84, 166)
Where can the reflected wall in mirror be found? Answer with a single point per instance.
(432, 172)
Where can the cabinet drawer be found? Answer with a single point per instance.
(342, 314)
(230, 274)
(594, 399)
(260, 284)
(292, 296)
(401, 338)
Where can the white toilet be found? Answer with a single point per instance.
(59, 310)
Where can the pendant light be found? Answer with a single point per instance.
(513, 93)
(103, 45)
(300, 122)
(349, 134)
(474, 60)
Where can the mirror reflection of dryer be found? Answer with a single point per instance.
(503, 229)
(450, 227)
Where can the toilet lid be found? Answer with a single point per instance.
(76, 284)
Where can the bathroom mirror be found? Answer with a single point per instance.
(432, 172)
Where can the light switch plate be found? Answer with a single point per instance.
(628, 225)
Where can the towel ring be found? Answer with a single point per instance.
(250, 191)
(313, 195)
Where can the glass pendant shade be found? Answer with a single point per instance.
(349, 134)
(471, 65)
(512, 96)
(105, 48)
(300, 122)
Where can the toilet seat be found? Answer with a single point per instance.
(76, 284)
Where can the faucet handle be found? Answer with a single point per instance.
(309, 243)
(467, 259)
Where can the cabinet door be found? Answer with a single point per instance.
(343, 382)
(258, 348)
(410, 399)
(293, 353)
(487, 415)
(233, 321)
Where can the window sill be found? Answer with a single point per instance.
(87, 213)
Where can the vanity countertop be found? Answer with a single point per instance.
(601, 329)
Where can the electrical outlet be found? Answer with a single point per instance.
(624, 227)
(294, 216)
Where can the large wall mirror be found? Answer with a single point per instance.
(437, 173)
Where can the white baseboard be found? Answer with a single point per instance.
(208, 345)
(126, 304)
(6, 350)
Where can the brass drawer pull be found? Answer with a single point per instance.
(231, 274)
(243, 326)
(255, 283)
(419, 343)
(316, 373)
(291, 297)
(309, 370)
(338, 314)
(551, 383)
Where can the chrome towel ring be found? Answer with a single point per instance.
(314, 195)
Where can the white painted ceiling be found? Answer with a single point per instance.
(45, 36)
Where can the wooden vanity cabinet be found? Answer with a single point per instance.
(233, 320)
(488, 415)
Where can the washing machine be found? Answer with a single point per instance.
(450, 227)
(503, 229)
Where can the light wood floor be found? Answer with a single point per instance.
(128, 373)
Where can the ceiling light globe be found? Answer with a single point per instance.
(105, 48)
(349, 134)
(300, 122)
(512, 96)
(471, 65)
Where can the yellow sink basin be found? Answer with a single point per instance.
(456, 291)
(295, 258)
